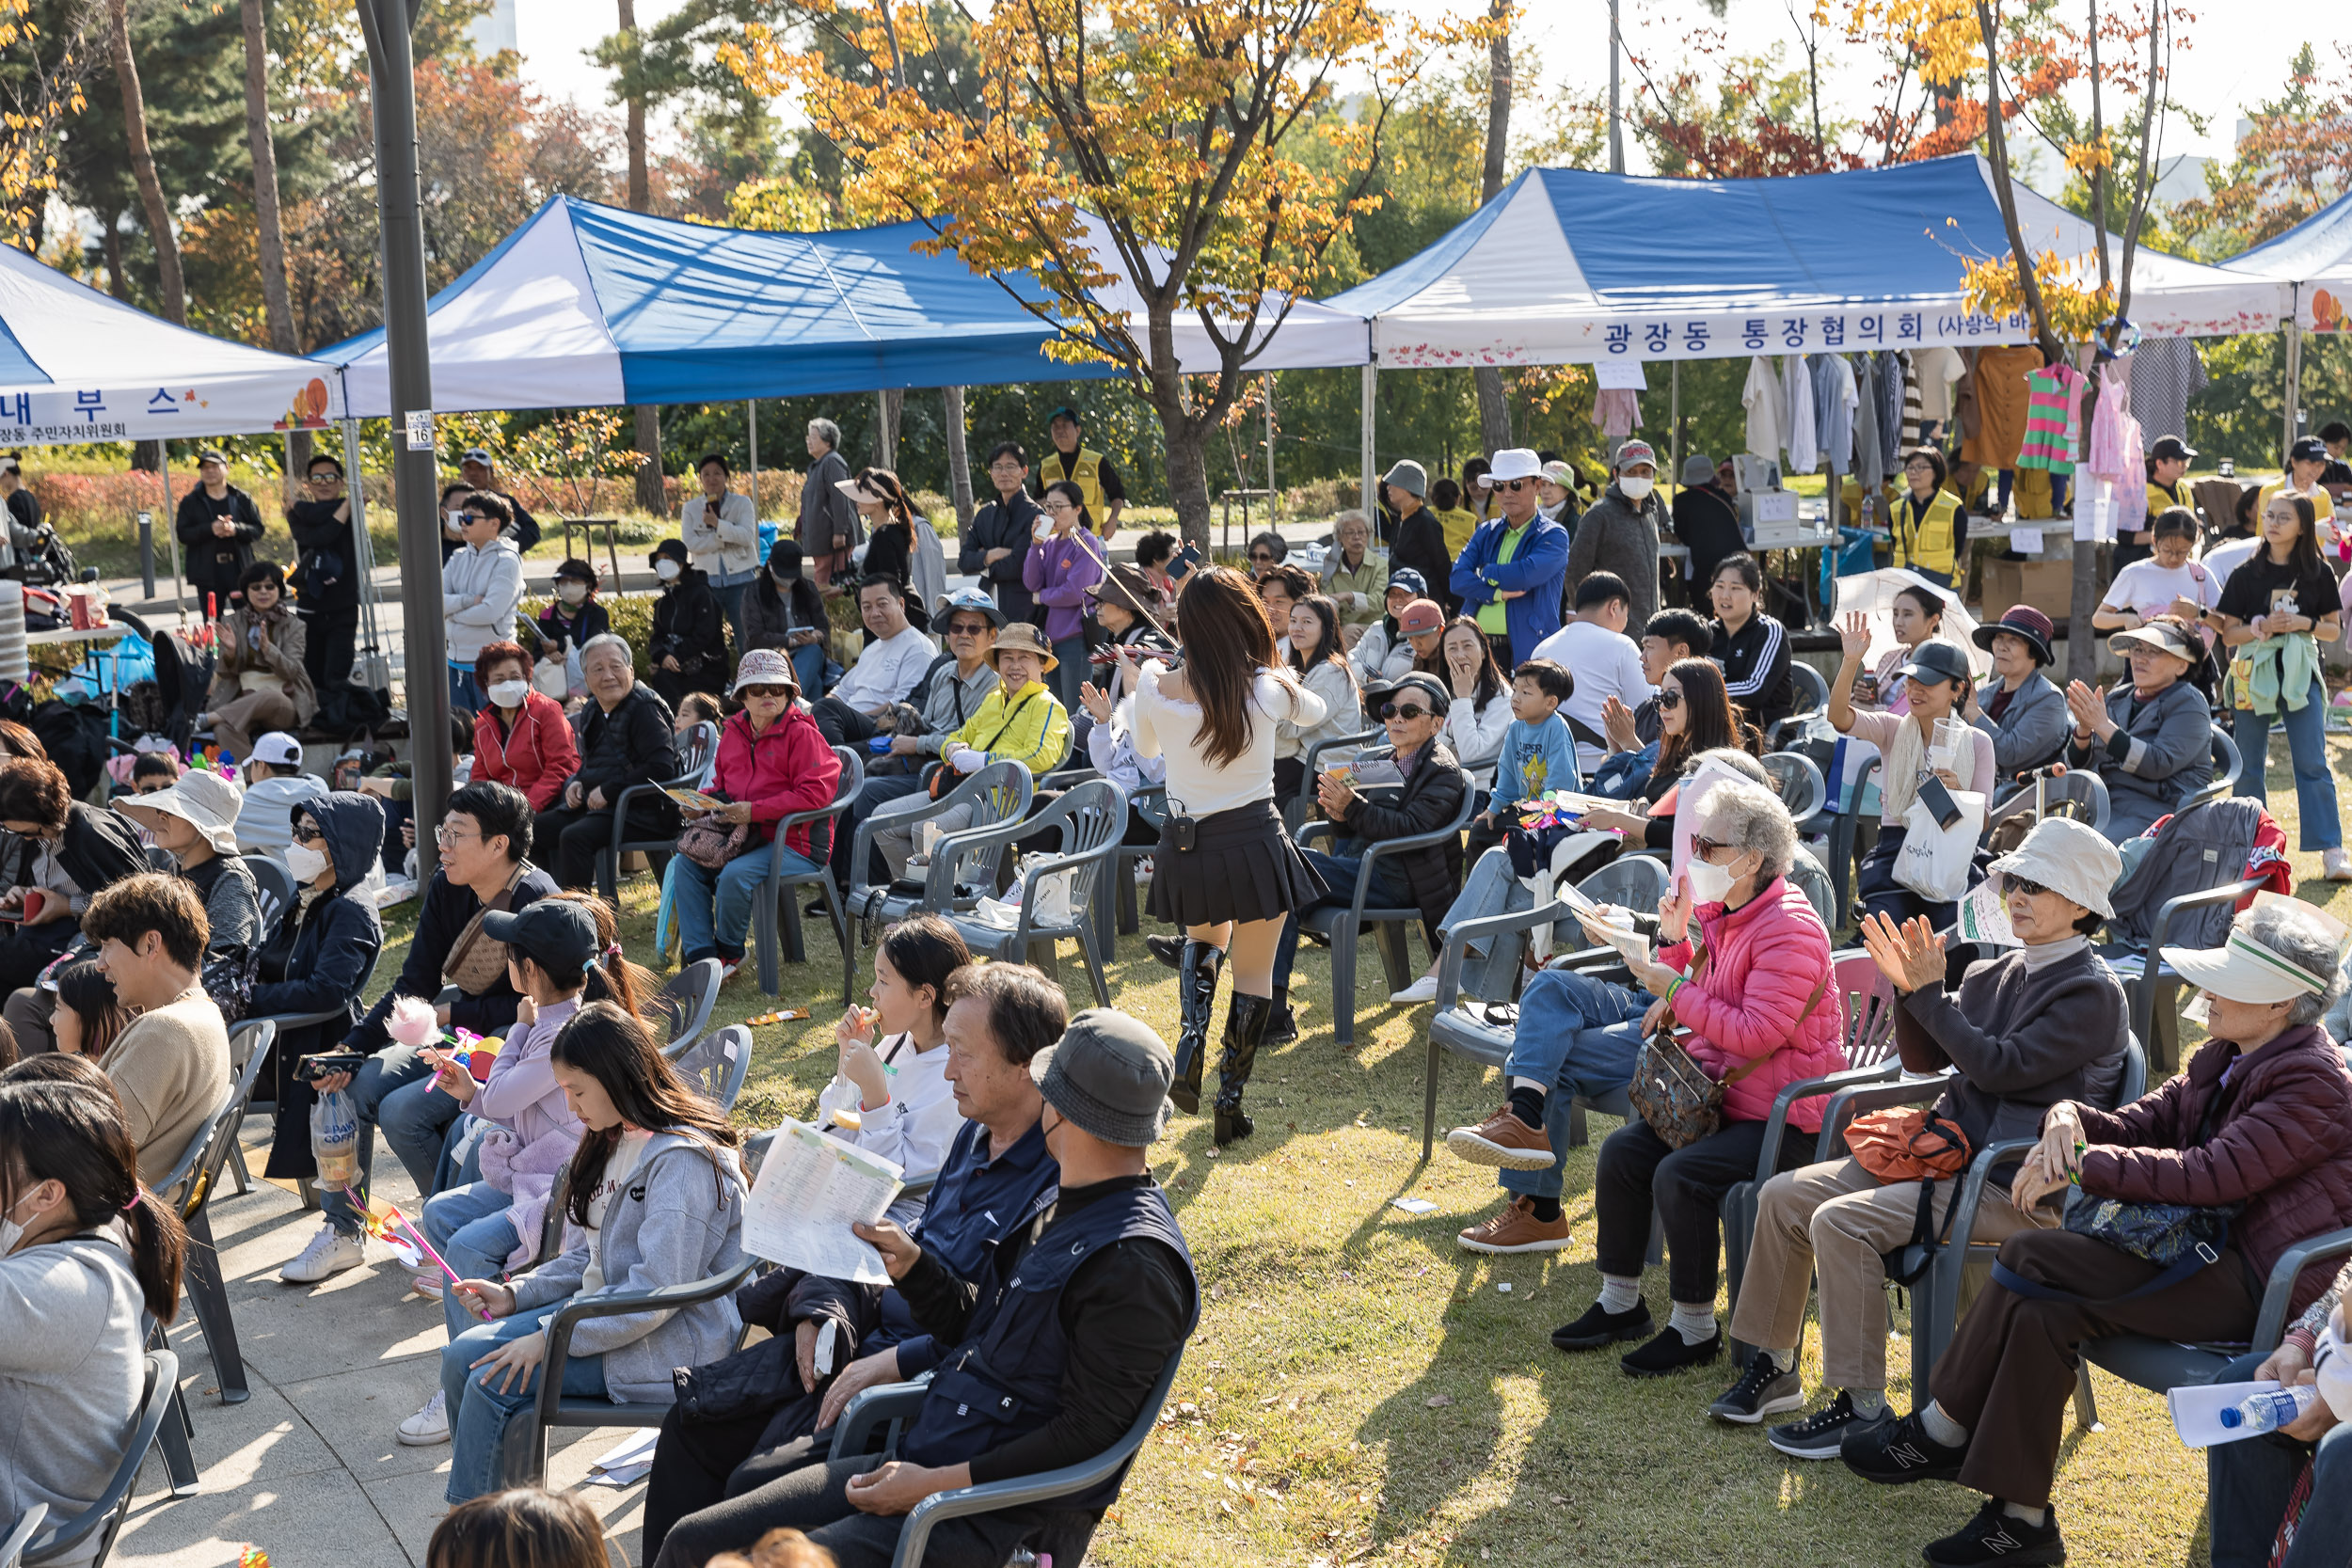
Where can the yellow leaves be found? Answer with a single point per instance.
(2074, 302)
(1941, 35)
(2085, 157)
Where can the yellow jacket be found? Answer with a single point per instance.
(1927, 539)
(1086, 472)
(1035, 733)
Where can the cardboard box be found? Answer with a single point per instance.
(2046, 585)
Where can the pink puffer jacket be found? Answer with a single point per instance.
(1766, 957)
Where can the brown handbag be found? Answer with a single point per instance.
(1907, 1144)
(710, 843)
(1674, 1093)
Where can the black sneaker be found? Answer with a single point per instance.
(1898, 1451)
(1599, 1327)
(1762, 1391)
(1822, 1434)
(1670, 1352)
(1993, 1536)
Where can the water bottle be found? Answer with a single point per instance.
(2268, 1412)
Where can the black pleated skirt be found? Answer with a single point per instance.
(1242, 866)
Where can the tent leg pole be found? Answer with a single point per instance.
(1372, 396)
(751, 424)
(179, 578)
(1271, 520)
(363, 558)
(1673, 428)
(2294, 378)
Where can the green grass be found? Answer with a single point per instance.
(1360, 1390)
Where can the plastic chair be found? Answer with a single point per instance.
(1813, 880)
(899, 1402)
(717, 1064)
(189, 1189)
(1803, 790)
(12, 1546)
(775, 897)
(1150, 804)
(2227, 768)
(1092, 817)
(104, 1518)
(998, 793)
(2157, 982)
(1812, 697)
(695, 750)
(1294, 814)
(687, 999)
(1344, 923)
(2076, 786)
(277, 889)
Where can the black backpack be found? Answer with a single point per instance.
(2196, 848)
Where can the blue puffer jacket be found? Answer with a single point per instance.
(1537, 568)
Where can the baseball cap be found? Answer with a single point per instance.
(1420, 618)
(2174, 448)
(1420, 683)
(2308, 448)
(212, 454)
(278, 748)
(555, 933)
(1932, 663)
(477, 455)
(1636, 452)
(978, 601)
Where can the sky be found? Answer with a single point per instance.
(2235, 55)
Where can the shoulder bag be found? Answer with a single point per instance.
(1682, 1103)
(1911, 1144)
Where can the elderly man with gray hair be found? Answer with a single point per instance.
(627, 736)
(2258, 1131)
(829, 528)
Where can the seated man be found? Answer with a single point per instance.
(1039, 1378)
(2274, 1144)
(2151, 738)
(275, 783)
(1608, 665)
(1670, 636)
(2039, 1023)
(626, 738)
(996, 1176)
(170, 1063)
(943, 702)
(2251, 1483)
(896, 654)
(485, 840)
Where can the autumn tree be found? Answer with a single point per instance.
(2295, 158)
(1176, 127)
(42, 70)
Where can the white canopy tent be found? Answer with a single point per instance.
(2314, 261)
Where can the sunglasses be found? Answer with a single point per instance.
(306, 834)
(1513, 484)
(1704, 848)
(1669, 699)
(1403, 710)
(766, 691)
(1263, 559)
(2013, 884)
(966, 628)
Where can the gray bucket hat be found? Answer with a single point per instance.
(2071, 859)
(1108, 1074)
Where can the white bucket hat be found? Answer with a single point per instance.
(2071, 859)
(1511, 463)
(2243, 970)
(201, 797)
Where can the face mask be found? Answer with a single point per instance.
(304, 862)
(509, 693)
(12, 1233)
(2200, 1012)
(1635, 488)
(572, 593)
(1709, 884)
(667, 570)
(456, 521)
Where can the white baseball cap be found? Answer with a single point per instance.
(278, 748)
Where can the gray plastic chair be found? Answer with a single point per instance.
(1091, 817)
(2081, 788)
(776, 896)
(687, 1000)
(1812, 697)
(1802, 788)
(998, 793)
(104, 1518)
(695, 749)
(1813, 880)
(276, 887)
(718, 1063)
(12, 1546)
(189, 1190)
(1343, 922)
(2226, 767)
(1150, 804)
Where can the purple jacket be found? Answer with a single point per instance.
(1057, 574)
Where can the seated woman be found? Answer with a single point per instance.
(1694, 716)
(656, 1199)
(783, 610)
(1323, 669)
(62, 852)
(1751, 647)
(2250, 1485)
(555, 959)
(2166, 583)
(521, 736)
(85, 1015)
(86, 1258)
(2031, 1026)
(1382, 654)
(772, 763)
(895, 1052)
(1762, 1013)
(2151, 738)
(260, 682)
(1481, 709)
(2024, 712)
(2274, 1142)
(1916, 617)
(1937, 682)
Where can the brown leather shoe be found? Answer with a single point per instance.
(1516, 1229)
(1503, 1139)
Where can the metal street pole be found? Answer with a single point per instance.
(415, 478)
(1617, 120)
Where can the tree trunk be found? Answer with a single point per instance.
(649, 488)
(1494, 414)
(117, 284)
(959, 461)
(277, 303)
(650, 493)
(892, 404)
(143, 163)
(1187, 450)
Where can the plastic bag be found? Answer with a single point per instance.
(334, 1139)
(1934, 861)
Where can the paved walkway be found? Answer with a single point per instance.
(308, 1469)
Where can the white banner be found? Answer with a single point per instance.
(301, 397)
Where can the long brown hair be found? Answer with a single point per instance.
(893, 493)
(1713, 720)
(74, 1134)
(526, 1527)
(614, 1046)
(1227, 641)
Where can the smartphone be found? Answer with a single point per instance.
(1181, 565)
(330, 1061)
(1939, 801)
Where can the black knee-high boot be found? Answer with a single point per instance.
(1245, 1031)
(1196, 1004)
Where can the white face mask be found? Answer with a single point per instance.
(12, 1233)
(456, 521)
(304, 862)
(667, 570)
(1633, 486)
(509, 693)
(1709, 884)
(572, 593)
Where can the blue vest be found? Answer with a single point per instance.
(1003, 1381)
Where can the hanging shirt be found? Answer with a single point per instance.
(1834, 397)
(1765, 399)
(1936, 369)
(2001, 400)
(1805, 447)
(2052, 393)
(2166, 372)
(1869, 455)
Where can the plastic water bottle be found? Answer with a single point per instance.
(2270, 1411)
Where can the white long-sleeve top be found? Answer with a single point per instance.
(1166, 726)
(914, 1129)
(1474, 733)
(482, 586)
(722, 539)
(1343, 712)
(1112, 750)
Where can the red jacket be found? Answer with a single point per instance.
(2282, 1146)
(538, 755)
(1766, 957)
(789, 768)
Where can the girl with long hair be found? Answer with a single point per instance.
(1481, 694)
(1320, 661)
(87, 1016)
(900, 541)
(1226, 869)
(1694, 716)
(87, 1257)
(895, 1052)
(1917, 616)
(654, 1198)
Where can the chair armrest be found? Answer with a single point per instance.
(667, 1298)
(1961, 1220)
(920, 1184)
(620, 813)
(790, 820)
(1456, 939)
(887, 1401)
(1374, 850)
(2229, 892)
(301, 1021)
(1322, 827)
(2270, 1326)
(1776, 1124)
(915, 1535)
(1363, 737)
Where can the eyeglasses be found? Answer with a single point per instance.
(766, 691)
(326, 479)
(1403, 710)
(1007, 467)
(467, 519)
(1513, 484)
(154, 787)
(1669, 699)
(1704, 848)
(443, 836)
(1263, 557)
(1918, 467)
(966, 628)
(2013, 884)
(308, 835)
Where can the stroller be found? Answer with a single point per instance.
(47, 562)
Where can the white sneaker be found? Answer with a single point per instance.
(2338, 865)
(427, 1285)
(1423, 989)
(427, 1426)
(329, 1253)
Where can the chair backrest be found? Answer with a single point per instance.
(695, 749)
(1813, 880)
(276, 887)
(998, 793)
(190, 1182)
(1092, 817)
(104, 1518)
(161, 858)
(2227, 763)
(1812, 691)
(1635, 883)
(1151, 803)
(2078, 793)
(2134, 1083)
(687, 1001)
(717, 1063)
(1802, 788)
(822, 827)
(1870, 1007)
(551, 1223)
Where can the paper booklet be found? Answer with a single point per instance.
(812, 1188)
(1984, 916)
(1631, 943)
(695, 799)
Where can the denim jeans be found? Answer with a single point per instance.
(472, 1230)
(2246, 1487)
(1338, 873)
(479, 1413)
(809, 664)
(461, 1154)
(1072, 672)
(463, 693)
(714, 907)
(2307, 745)
(414, 1119)
(1577, 1035)
(731, 600)
(379, 1078)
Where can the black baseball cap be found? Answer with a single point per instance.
(1066, 412)
(2308, 448)
(557, 934)
(2172, 446)
(1932, 663)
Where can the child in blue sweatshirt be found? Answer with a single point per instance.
(1538, 753)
